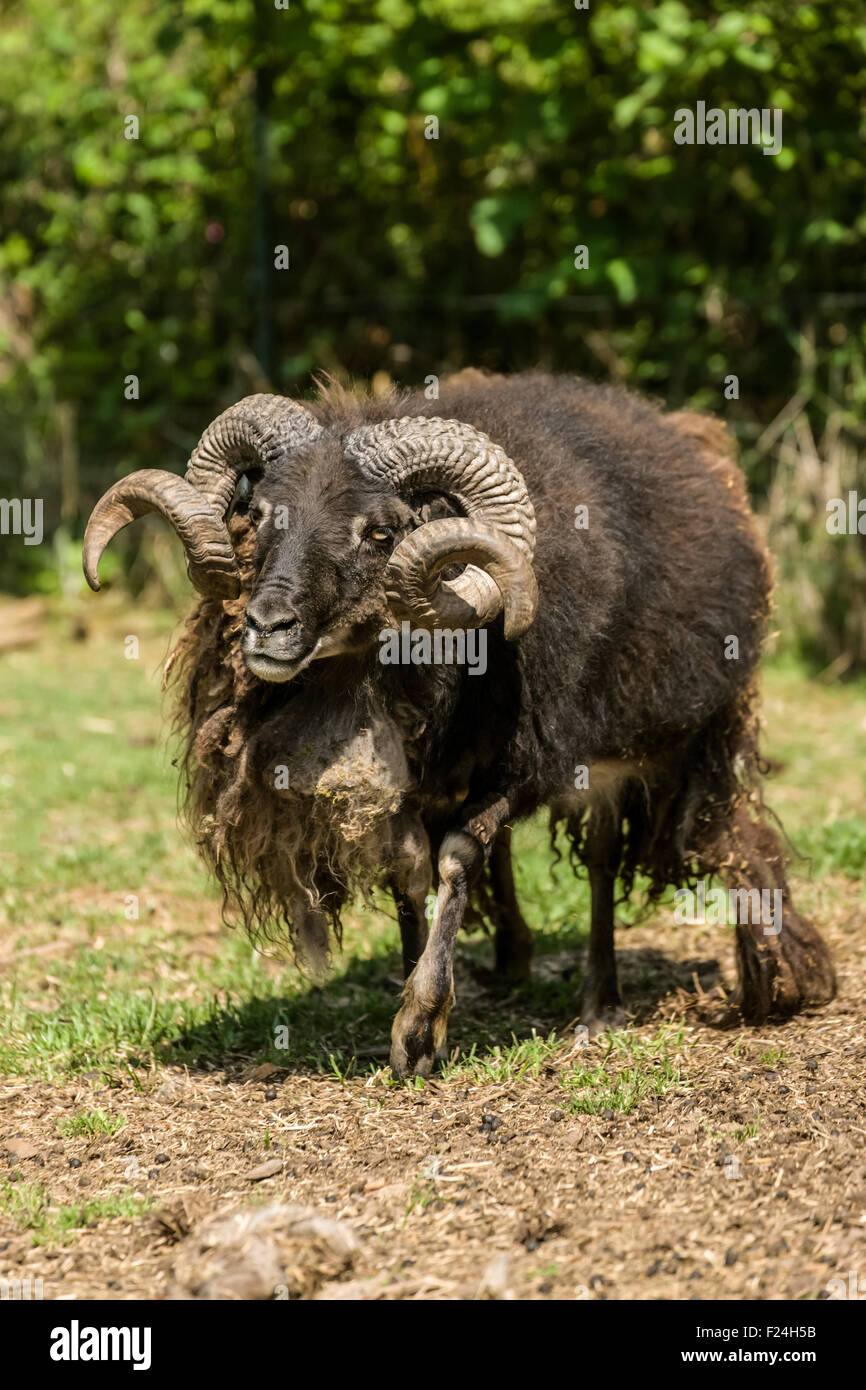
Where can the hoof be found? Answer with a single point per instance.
(404, 1065)
(724, 1014)
(418, 1037)
(781, 975)
(599, 1018)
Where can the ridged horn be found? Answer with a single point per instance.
(496, 538)
(210, 559)
(498, 577)
(257, 431)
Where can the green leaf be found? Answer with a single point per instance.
(619, 272)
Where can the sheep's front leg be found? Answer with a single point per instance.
(312, 938)
(419, 1030)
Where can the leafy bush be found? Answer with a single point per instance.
(307, 127)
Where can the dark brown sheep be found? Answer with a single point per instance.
(608, 553)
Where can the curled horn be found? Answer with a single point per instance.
(495, 538)
(209, 555)
(254, 433)
(497, 576)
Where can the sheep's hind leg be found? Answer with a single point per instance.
(601, 1004)
(420, 1028)
(513, 942)
(783, 964)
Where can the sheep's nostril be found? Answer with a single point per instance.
(266, 628)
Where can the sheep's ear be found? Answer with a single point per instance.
(434, 508)
(243, 492)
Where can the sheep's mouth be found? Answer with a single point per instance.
(276, 669)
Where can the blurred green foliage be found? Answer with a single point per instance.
(306, 127)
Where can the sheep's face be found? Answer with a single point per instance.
(323, 539)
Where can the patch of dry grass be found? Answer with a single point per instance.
(145, 1094)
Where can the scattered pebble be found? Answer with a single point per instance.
(263, 1072)
(265, 1170)
(21, 1148)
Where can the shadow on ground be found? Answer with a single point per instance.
(347, 1022)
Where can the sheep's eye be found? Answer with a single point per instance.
(381, 534)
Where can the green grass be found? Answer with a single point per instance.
(523, 1058)
(839, 846)
(91, 1123)
(772, 1056)
(749, 1131)
(632, 1069)
(423, 1193)
(30, 1206)
(111, 957)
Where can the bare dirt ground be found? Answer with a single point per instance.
(745, 1179)
(679, 1161)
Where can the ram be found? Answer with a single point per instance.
(608, 552)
